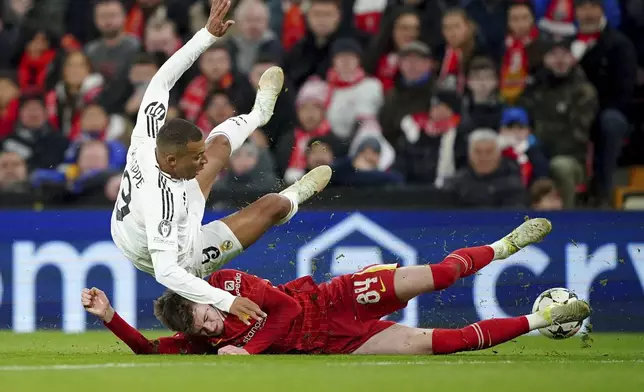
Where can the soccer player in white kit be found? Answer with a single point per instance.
(169, 172)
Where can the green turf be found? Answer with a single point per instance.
(613, 363)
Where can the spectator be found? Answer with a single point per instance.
(78, 86)
(610, 63)
(491, 18)
(431, 14)
(461, 44)
(13, 173)
(563, 105)
(382, 58)
(292, 24)
(354, 96)
(38, 54)
(113, 53)
(250, 168)
(556, 18)
(218, 108)
(142, 12)
(9, 103)
(482, 104)
(93, 171)
(311, 123)
(141, 73)
(412, 92)
(521, 57)
(283, 119)
(489, 180)
(254, 36)
(311, 55)
(162, 37)
(519, 144)
(33, 138)
(322, 150)
(361, 169)
(544, 196)
(96, 124)
(216, 73)
(427, 151)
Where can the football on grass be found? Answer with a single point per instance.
(560, 295)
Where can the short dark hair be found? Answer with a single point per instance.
(103, 2)
(334, 2)
(146, 59)
(540, 189)
(174, 312)
(481, 63)
(177, 133)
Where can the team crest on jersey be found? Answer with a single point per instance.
(229, 285)
(165, 228)
(227, 245)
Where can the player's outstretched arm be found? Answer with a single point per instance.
(95, 302)
(154, 105)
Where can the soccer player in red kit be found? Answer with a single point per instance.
(342, 316)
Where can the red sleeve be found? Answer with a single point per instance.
(280, 308)
(177, 344)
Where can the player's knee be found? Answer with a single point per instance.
(275, 205)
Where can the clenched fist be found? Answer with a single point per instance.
(95, 302)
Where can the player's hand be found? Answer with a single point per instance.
(216, 25)
(232, 350)
(246, 309)
(95, 302)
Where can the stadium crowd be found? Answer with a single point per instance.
(497, 103)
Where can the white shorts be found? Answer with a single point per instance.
(219, 246)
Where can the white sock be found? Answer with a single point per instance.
(294, 208)
(237, 129)
(536, 321)
(500, 250)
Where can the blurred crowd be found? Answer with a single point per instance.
(497, 103)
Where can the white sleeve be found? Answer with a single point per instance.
(154, 105)
(168, 273)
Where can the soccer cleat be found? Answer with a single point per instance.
(530, 232)
(310, 184)
(558, 313)
(269, 88)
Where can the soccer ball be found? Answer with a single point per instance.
(560, 295)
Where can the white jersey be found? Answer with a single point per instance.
(156, 213)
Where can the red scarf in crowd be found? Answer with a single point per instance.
(32, 72)
(435, 128)
(135, 22)
(335, 81)
(302, 138)
(452, 75)
(56, 107)
(8, 117)
(521, 158)
(293, 27)
(585, 41)
(387, 70)
(515, 67)
(193, 99)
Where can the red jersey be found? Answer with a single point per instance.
(302, 317)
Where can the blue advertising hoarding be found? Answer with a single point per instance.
(46, 258)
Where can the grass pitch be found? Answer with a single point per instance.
(94, 361)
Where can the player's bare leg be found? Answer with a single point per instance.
(250, 223)
(231, 134)
(399, 339)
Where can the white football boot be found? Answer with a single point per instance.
(530, 232)
(558, 313)
(268, 89)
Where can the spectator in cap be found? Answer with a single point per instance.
(482, 106)
(520, 145)
(361, 169)
(544, 196)
(383, 57)
(609, 60)
(489, 180)
(312, 54)
(9, 103)
(429, 147)
(354, 96)
(253, 36)
(563, 105)
(283, 119)
(412, 91)
(311, 123)
(522, 56)
(33, 138)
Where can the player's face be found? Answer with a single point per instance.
(208, 320)
(191, 161)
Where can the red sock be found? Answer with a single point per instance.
(459, 264)
(478, 336)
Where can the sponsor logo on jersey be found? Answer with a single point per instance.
(227, 245)
(165, 228)
(238, 284)
(258, 326)
(229, 285)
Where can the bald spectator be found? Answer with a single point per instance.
(253, 37)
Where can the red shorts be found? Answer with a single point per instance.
(355, 305)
